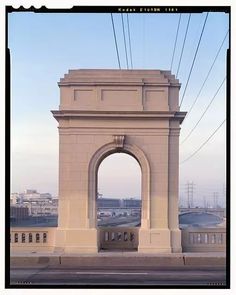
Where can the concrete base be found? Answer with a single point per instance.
(112, 260)
(154, 241)
(175, 237)
(67, 241)
(87, 241)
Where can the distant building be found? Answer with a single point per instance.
(14, 198)
(34, 195)
(131, 203)
(37, 204)
(118, 203)
(41, 207)
(46, 196)
(108, 203)
(30, 194)
(30, 191)
(18, 212)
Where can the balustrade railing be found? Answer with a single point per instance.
(119, 238)
(42, 239)
(204, 239)
(32, 239)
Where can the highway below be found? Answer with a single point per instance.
(119, 221)
(178, 276)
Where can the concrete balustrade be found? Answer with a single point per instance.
(32, 239)
(119, 238)
(42, 239)
(204, 239)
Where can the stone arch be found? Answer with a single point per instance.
(96, 160)
(98, 110)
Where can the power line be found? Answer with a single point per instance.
(130, 50)
(195, 55)
(177, 32)
(204, 111)
(143, 39)
(206, 76)
(114, 32)
(182, 50)
(205, 142)
(124, 40)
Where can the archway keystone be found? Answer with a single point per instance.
(107, 111)
(119, 140)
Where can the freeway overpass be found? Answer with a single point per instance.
(221, 212)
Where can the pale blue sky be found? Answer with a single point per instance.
(45, 46)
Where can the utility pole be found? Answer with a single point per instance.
(204, 202)
(180, 201)
(190, 189)
(224, 196)
(215, 199)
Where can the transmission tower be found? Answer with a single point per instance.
(205, 205)
(215, 199)
(224, 196)
(190, 190)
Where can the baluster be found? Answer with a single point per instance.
(132, 236)
(119, 236)
(37, 238)
(224, 238)
(195, 238)
(113, 236)
(198, 238)
(106, 235)
(44, 237)
(202, 238)
(191, 238)
(23, 237)
(125, 236)
(221, 238)
(213, 238)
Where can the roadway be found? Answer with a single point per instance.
(119, 221)
(175, 276)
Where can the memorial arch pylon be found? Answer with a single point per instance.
(107, 111)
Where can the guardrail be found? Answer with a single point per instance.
(122, 238)
(32, 239)
(204, 239)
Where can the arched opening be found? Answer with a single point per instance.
(119, 234)
(118, 201)
(119, 191)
